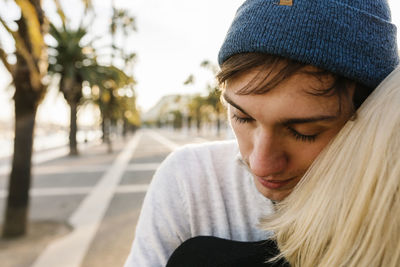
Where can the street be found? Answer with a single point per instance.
(83, 210)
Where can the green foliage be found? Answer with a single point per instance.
(29, 45)
(112, 91)
(76, 62)
(69, 59)
(208, 107)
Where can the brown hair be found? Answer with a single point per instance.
(263, 81)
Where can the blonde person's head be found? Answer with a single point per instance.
(346, 209)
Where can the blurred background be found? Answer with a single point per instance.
(159, 45)
(78, 79)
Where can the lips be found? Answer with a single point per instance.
(274, 184)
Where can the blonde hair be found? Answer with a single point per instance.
(346, 209)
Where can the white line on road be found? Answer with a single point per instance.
(69, 191)
(143, 167)
(43, 156)
(70, 250)
(161, 139)
(152, 166)
(134, 188)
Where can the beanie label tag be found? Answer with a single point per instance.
(285, 2)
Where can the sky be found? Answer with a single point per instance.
(173, 38)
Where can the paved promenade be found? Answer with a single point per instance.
(84, 209)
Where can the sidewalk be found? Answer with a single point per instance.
(44, 155)
(84, 209)
(53, 169)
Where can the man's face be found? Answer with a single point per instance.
(282, 131)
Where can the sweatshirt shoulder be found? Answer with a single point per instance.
(226, 149)
(202, 159)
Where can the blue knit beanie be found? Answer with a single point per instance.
(352, 38)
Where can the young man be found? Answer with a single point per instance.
(293, 72)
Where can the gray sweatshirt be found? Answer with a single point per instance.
(198, 190)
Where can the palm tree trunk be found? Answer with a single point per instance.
(16, 214)
(218, 111)
(198, 122)
(103, 130)
(108, 135)
(218, 126)
(106, 127)
(73, 144)
(189, 122)
(28, 93)
(124, 127)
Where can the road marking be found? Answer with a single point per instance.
(70, 250)
(143, 166)
(136, 188)
(43, 156)
(47, 155)
(164, 141)
(43, 170)
(69, 191)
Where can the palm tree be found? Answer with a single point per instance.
(108, 80)
(76, 62)
(213, 99)
(195, 107)
(122, 25)
(27, 74)
(73, 62)
(209, 105)
(126, 110)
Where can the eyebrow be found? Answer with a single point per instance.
(286, 121)
(309, 120)
(230, 101)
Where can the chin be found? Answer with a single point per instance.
(277, 197)
(274, 195)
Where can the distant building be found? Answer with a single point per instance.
(166, 105)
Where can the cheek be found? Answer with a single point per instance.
(310, 152)
(243, 137)
(238, 129)
(309, 155)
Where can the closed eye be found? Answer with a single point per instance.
(301, 137)
(242, 119)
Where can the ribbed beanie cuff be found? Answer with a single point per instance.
(352, 38)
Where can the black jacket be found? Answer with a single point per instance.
(207, 251)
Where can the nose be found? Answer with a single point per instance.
(267, 157)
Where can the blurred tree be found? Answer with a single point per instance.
(189, 80)
(76, 61)
(127, 110)
(208, 107)
(115, 97)
(27, 74)
(213, 98)
(195, 110)
(122, 25)
(194, 106)
(73, 61)
(177, 122)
